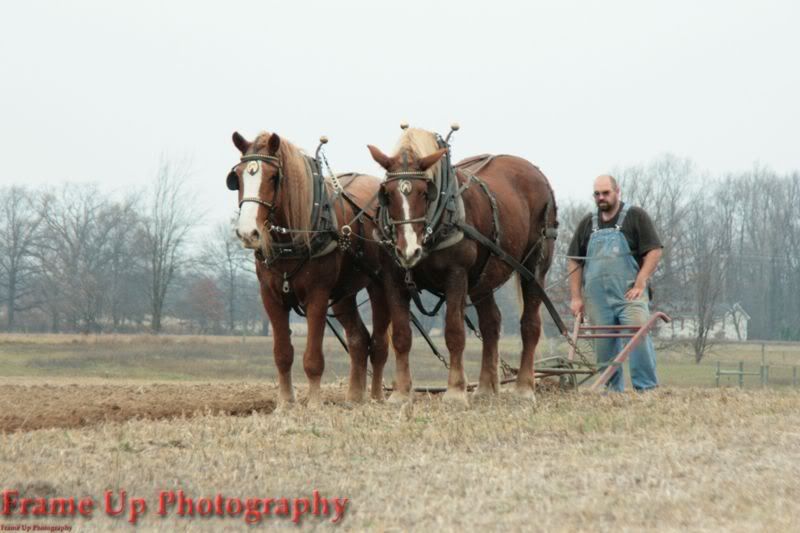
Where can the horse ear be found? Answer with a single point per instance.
(429, 160)
(382, 159)
(240, 142)
(273, 144)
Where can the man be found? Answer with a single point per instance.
(613, 253)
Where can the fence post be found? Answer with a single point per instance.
(766, 375)
(763, 367)
(718, 373)
(794, 376)
(741, 374)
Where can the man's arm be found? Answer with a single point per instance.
(649, 264)
(577, 248)
(575, 276)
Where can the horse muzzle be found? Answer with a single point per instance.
(251, 238)
(408, 258)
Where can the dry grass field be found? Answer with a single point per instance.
(83, 415)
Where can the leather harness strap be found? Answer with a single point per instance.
(523, 271)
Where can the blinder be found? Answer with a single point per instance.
(232, 181)
(383, 197)
(433, 190)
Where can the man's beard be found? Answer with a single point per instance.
(606, 206)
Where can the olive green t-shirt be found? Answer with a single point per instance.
(638, 229)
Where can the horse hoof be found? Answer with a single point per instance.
(378, 397)
(399, 397)
(525, 393)
(314, 401)
(484, 392)
(456, 397)
(354, 397)
(284, 405)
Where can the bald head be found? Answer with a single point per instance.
(605, 181)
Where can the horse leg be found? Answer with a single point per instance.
(530, 329)
(346, 312)
(282, 348)
(313, 358)
(489, 322)
(455, 336)
(379, 347)
(399, 311)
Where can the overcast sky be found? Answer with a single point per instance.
(96, 91)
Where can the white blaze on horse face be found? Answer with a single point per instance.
(412, 244)
(247, 224)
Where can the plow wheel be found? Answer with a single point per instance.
(558, 370)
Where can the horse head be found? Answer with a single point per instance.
(257, 177)
(274, 189)
(407, 192)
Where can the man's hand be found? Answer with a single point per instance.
(576, 306)
(575, 280)
(635, 292)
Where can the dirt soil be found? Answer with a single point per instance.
(32, 406)
(27, 407)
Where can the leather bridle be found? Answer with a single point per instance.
(406, 175)
(233, 180)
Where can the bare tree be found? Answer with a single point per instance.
(73, 254)
(225, 258)
(708, 235)
(125, 262)
(19, 225)
(764, 271)
(169, 216)
(665, 188)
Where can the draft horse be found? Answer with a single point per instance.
(444, 226)
(304, 229)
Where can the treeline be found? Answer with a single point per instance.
(76, 259)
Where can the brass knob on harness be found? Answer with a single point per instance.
(404, 125)
(454, 126)
(323, 139)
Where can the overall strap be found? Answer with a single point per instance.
(622, 213)
(620, 219)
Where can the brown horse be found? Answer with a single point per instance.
(304, 230)
(511, 203)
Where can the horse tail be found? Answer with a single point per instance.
(520, 297)
(549, 226)
(552, 207)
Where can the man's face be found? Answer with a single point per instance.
(605, 195)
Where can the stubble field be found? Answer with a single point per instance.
(165, 414)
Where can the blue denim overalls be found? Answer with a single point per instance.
(609, 272)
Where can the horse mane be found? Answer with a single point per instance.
(420, 143)
(297, 187)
